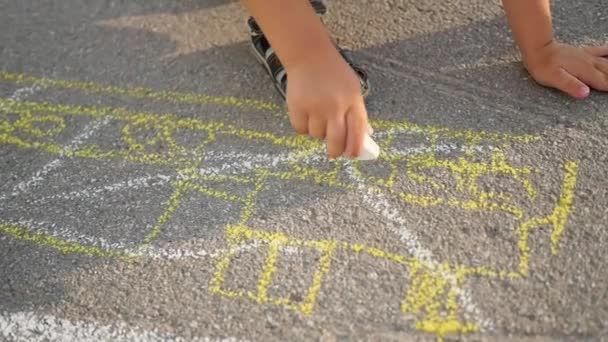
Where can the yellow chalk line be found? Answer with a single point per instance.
(470, 137)
(217, 280)
(65, 247)
(429, 287)
(467, 173)
(269, 269)
(161, 121)
(171, 207)
(138, 92)
(223, 195)
(239, 234)
(558, 218)
(308, 306)
(165, 123)
(427, 292)
(430, 301)
(385, 145)
(249, 200)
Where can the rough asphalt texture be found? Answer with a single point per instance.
(448, 64)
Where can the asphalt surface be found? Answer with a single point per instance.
(151, 187)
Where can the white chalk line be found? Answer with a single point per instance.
(132, 249)
(99, 192)
(245, 160)
(378, 202)
(76, 142)
(182, 254)
(445, 148)
(131, 184)
(22, 93)
(374, 200)
(234, 163)
(29, 326)
(19, 95)
(244, 163)
(129, 248)
(39, 175)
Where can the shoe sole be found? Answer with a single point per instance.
(262, 62)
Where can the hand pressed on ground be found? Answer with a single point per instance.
(570, 69)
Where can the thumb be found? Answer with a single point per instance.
(357, 128)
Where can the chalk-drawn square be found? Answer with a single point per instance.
(200, 215)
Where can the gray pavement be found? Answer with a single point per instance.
(151, 187)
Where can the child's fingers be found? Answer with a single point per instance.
(595, 78)
(317, 127)
(370, 130)
(299, 122)
(336, 136)
(571, 85)
(356, 129)
(602, 65)
(598, 51)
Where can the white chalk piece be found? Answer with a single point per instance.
(371, 150)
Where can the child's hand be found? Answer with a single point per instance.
(324, 101)
(570, 69)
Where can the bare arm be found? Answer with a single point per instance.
(531, 24)
(292, 28)
(323, 93)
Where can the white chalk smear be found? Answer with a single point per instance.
(192, 253)
(233, 163)
(23, 93)
(444, 148)
(33, 327)
(100, 192)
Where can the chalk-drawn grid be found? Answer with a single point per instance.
(434, 286)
